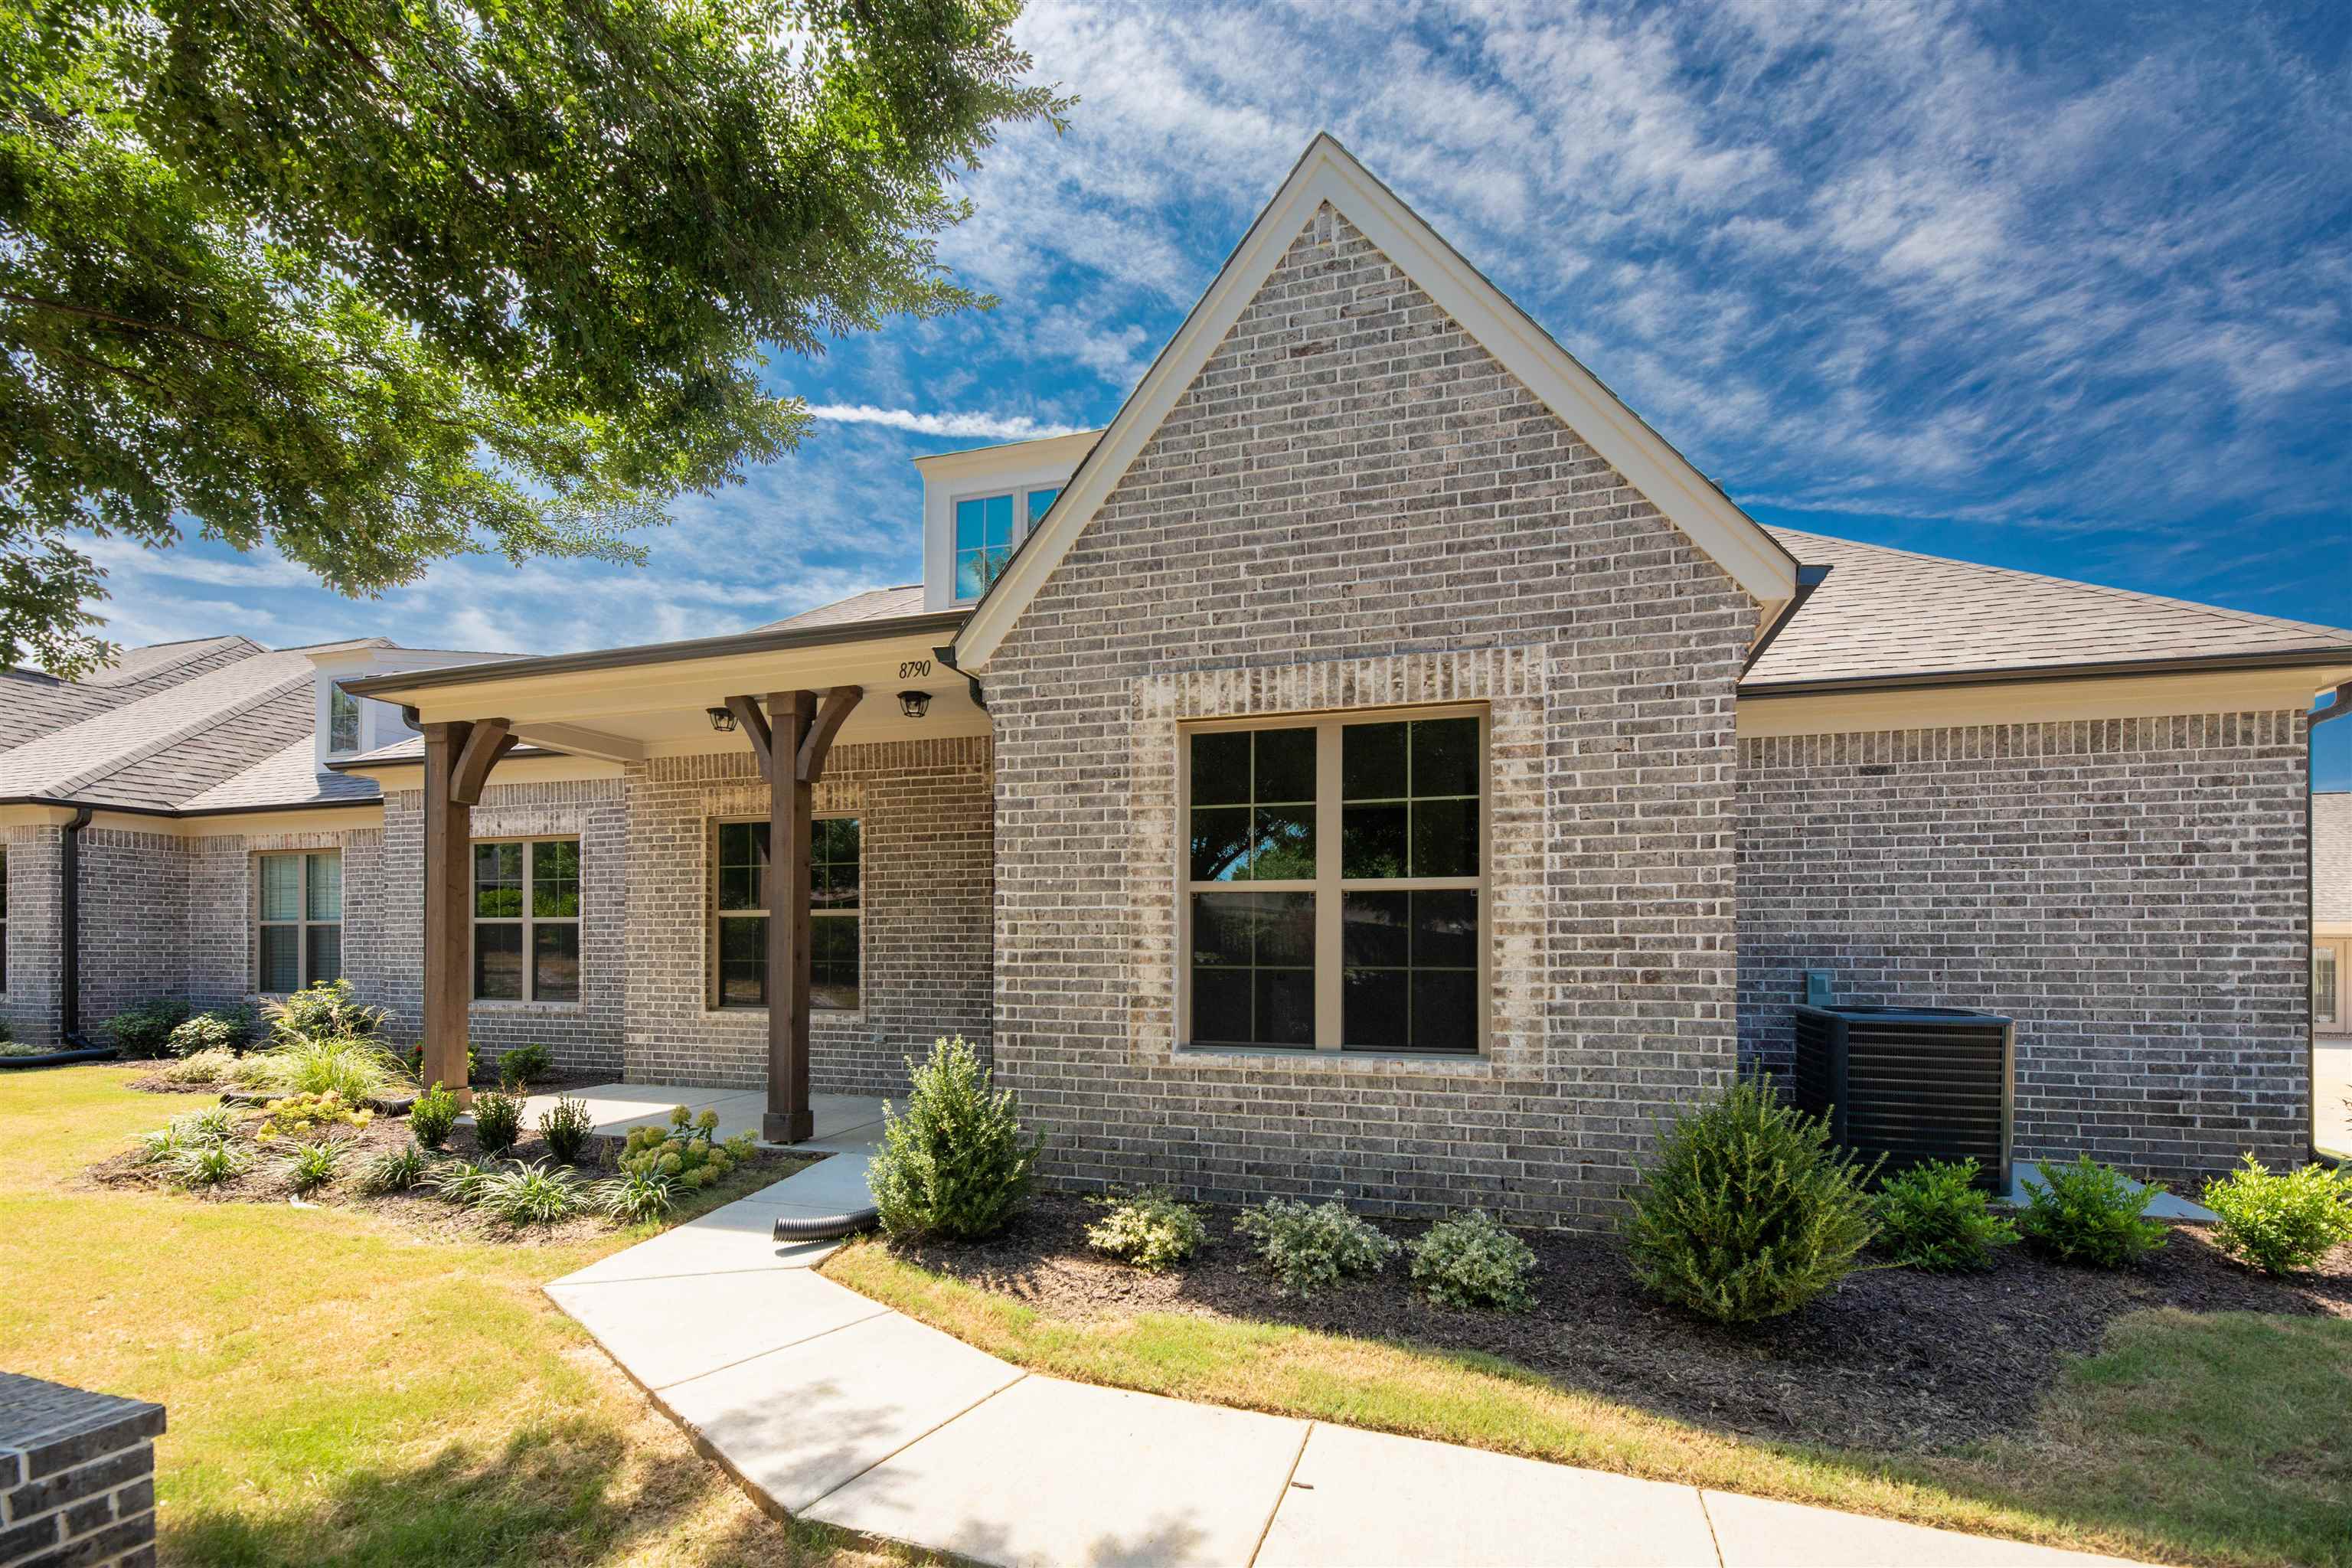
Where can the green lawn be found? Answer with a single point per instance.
(338, 1388)
(2218, 1439)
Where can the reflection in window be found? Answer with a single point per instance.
(739, 945)
(526, 920)
(299, 932)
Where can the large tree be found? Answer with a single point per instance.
(380, 281)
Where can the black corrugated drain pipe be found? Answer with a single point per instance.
(825, 1226)
(69, 931)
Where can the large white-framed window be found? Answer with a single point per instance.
(738, 934)
(2331, 986)
(527, 919)
(1334, 882)
(298, 919)
(988, 528)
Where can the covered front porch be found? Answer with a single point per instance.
(784, 972)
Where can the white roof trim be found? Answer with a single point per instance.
(1329, 172)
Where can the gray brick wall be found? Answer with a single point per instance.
(76, 1477)
(1354, 505)
(134, 919)
(2132, 891)
(29, 1001)
(584, 1035)
(222, 965)
(924, 813)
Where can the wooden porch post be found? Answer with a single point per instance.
(457, 759)
(792, 741)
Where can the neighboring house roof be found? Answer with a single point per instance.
(225, 733)
(1883, 613)
(873, 604)
(2331, 858)
(33, 703)
(1329, 174)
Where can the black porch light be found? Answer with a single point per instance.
(914, 704)
(721, 719)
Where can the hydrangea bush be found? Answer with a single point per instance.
(688, 1153)
(309, 1116)
(1310, 1248)
(1150, 1230)
(1470, 1260)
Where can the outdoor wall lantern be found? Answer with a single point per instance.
(914, 704)
(721, 719)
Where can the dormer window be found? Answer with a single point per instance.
(342, 720)
(987, 528)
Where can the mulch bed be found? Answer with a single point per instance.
(1893, 1360)
(266, 1182)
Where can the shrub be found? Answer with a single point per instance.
(262, 1070)
(1310, 1247)
(1747, 1211)
(524, 1066)
(309, 1115)
(197, 1130)
(9, 1047)
(497, 1122)
(393, 1171)
(349, 1065)
(432, 1116)
(324, 1011)
(1469, 1260)
(200, 1066)
(686, 1154)
(2283, 1222)
(416, 1062)
(1934, 1217)
(566, 1126)
(1150, 1229)
(527, 1194)
(634, 1196)
(143, 1030)
(311, 1166)
(955, 1165)
(2089, 1213)
(227, 1029)
(210, 1164)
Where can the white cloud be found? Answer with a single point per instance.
(997, 426)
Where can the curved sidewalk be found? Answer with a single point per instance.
(831, 1406)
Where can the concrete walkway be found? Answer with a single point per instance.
(831, 1406)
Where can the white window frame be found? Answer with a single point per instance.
(302, 924)
(714, 995)
(1328, 887)
(337, 695)
(529, 921)
(1024, 524)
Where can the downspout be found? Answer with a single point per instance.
(69, 931)
(945, 654)
(2339, 705)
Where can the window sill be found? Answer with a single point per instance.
(1261, 1059)
(814, 1012)
(512, 1005)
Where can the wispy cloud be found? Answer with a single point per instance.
(985, 426)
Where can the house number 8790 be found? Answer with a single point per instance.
(914, 669)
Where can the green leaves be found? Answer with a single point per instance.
(956, 1164)
(382, 281)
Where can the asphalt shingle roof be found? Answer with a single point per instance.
(875, 604)
(1883, 613)
(33, 704)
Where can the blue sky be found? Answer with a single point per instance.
(2068, 289)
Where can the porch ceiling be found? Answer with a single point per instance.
(660, 703)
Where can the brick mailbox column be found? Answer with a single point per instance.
(76, 1475)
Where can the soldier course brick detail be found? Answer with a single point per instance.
(2131, 891)
(1354, 504)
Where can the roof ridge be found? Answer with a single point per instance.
(126, 761)
(2243, 617)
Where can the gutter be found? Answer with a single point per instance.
(178, 813)
(2286, 659)
(69, 930)
(784, 641)
(1808, 579)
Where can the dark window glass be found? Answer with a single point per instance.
(1445, 838)
(1221, 837)
(1220, 768)
(1444, 757)
(325, 951)
(832, 863)
(1254, 969)
(555, 878)
(498, 881)
(555, 962)
(1373, 761)
(1410, 802)
(498, 963)
(1254, 806)
(743, 864)
(1372, 840)
(743, 962)
(1283, 767)
(1411, 978)
(281, 959)
(833, 963)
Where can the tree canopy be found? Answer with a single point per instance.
(380, 281)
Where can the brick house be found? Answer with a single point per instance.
(1376, 761)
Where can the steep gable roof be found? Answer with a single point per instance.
(33, 704)
(1329, 174)
(1880, 614)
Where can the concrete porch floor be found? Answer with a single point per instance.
(843, 1122)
